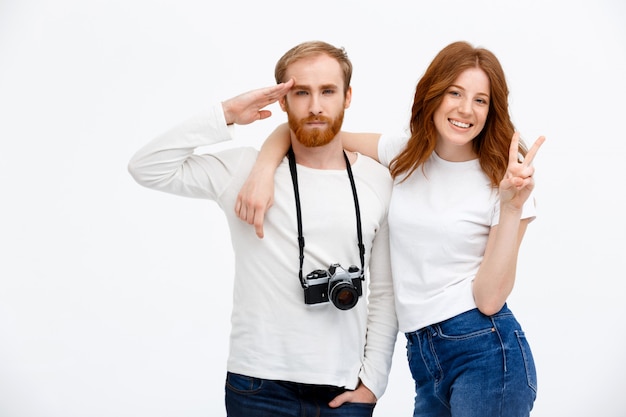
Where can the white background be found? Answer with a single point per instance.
(115, 299)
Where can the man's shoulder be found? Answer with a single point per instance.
(373, 167)
(375, 176)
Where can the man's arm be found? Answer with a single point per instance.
(382, 323)
(168, 162)
(382, 326)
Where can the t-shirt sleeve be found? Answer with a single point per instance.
(389, 146)
(529, 210)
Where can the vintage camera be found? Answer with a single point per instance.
(341, 287)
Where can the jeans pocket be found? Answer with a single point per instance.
(243, 384)
(529, 362)
(357, 409)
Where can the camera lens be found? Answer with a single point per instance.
(344, 296)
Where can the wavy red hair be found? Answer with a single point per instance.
(492, 143)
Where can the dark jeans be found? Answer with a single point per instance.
(254, 397)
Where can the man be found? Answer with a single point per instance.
(310, 332)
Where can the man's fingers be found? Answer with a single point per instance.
(264, 114)
(276, 92)
(339, 400)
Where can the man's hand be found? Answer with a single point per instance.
(361, 394)
(248, 107)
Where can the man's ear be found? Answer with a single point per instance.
(282, 103)
(348, 98)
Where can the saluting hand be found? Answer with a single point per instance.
(248, 107)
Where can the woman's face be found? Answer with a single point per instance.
(462, 114)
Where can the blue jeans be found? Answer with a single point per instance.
(472, 365)
(254, 397)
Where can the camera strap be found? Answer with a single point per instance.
(294, 178)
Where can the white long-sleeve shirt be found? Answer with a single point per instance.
(275, 335)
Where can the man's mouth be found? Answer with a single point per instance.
(316, 123)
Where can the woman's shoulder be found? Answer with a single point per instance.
(390, 145)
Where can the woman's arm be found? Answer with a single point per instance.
(257, 193)
(363, 143)
(495, 278)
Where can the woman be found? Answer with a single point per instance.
(461, 202)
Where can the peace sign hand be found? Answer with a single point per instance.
(518, 181)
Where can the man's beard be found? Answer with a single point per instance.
(317, 136)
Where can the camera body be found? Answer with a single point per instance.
(342, 287)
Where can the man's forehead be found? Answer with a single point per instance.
(320, 70)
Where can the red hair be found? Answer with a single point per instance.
(492, 143)
(310, 49)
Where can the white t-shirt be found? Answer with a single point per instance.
(439, 222)
(275, 335)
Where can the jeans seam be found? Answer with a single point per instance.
(519, 335)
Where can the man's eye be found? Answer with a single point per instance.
(301, 93)
(328, 91)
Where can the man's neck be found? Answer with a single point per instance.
(329, 156)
